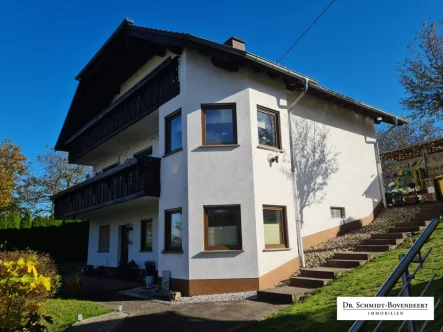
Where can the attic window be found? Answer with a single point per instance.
(338, 212)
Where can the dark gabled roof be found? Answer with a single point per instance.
(131, 46)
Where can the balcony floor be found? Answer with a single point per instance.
(141, 203)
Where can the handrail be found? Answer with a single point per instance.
(401, 267)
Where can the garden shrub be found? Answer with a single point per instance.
(27, 279)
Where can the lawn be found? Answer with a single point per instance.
(318, 310)
(64, 312)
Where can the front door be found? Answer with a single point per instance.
(124, 249)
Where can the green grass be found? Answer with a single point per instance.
(64, 312)
(318, 310)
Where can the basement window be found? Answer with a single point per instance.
(338, 212)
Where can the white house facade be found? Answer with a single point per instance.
(191, 148)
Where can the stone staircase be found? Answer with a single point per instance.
(313, 278)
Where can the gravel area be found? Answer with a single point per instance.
(148, 294)
(318, 255)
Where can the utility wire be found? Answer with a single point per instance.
(306, 31)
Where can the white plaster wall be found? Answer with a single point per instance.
(116, 219)
(355, 185)
(218, 176)
(272, 183)
(129, 153)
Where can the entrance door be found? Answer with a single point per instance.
(124, 243)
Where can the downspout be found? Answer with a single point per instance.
(378, 161)
(294, 176)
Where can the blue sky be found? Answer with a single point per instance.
(354, 48)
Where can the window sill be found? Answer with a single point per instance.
(178, 252)
(209, 146)
(276, 249)
(145, 250)
(172, 152)
(270, 148)
(102, 251)
(222, 251)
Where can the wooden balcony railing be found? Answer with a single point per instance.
(130, 180)
(158, 87)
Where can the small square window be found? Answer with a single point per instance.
(104, 235)
(268, 127)
(222, 227)
(338, 212)
(173, 230)
(219, 124)
(274, 220)
(173, 131)
(146, 235)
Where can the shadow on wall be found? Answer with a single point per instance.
(373, 192)
(315, 161)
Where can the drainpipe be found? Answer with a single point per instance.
(294, 177)
(378, 161)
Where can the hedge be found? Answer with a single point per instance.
(67, 242)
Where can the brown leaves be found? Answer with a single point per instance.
(12, 167)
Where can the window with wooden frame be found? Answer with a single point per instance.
(222, 227)
(268, 125)
(338, 212)
(104, 234)
(219, 124)
(173, 230)
(146, 235)
(173, 130)
(275, 227)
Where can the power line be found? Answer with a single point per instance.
(306, 31)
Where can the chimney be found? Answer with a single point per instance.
(236, 43)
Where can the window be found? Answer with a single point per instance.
(219, 124)
(173, 125)
(268, 127)
(338, 212)
(144, 153)
(146, 235)
(222, 227)
(104, 234)
(173, 230)
(274, 220)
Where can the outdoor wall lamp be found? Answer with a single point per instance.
(128, 226)
(272, 159)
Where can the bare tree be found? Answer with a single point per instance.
(417, 131)
(54, 174)
(315, 161)
(421, 74)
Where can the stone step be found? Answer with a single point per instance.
(375, 248)
(382, 241)
(282, 295)
(323, 272)
(346, 263)
(308, 282)
(389, 236)
(406, 229)
(351, 255)
(413, 223)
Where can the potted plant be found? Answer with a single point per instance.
(151, 270)
(73, 283)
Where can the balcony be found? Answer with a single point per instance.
(158, 87)
(128, 181)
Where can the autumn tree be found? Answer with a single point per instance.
(54, 174)
(417, 131)
(421, 74)
(12, 168)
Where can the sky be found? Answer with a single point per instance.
(353, 49)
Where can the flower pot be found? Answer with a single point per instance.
(149, 280)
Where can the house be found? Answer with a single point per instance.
(191, 149)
